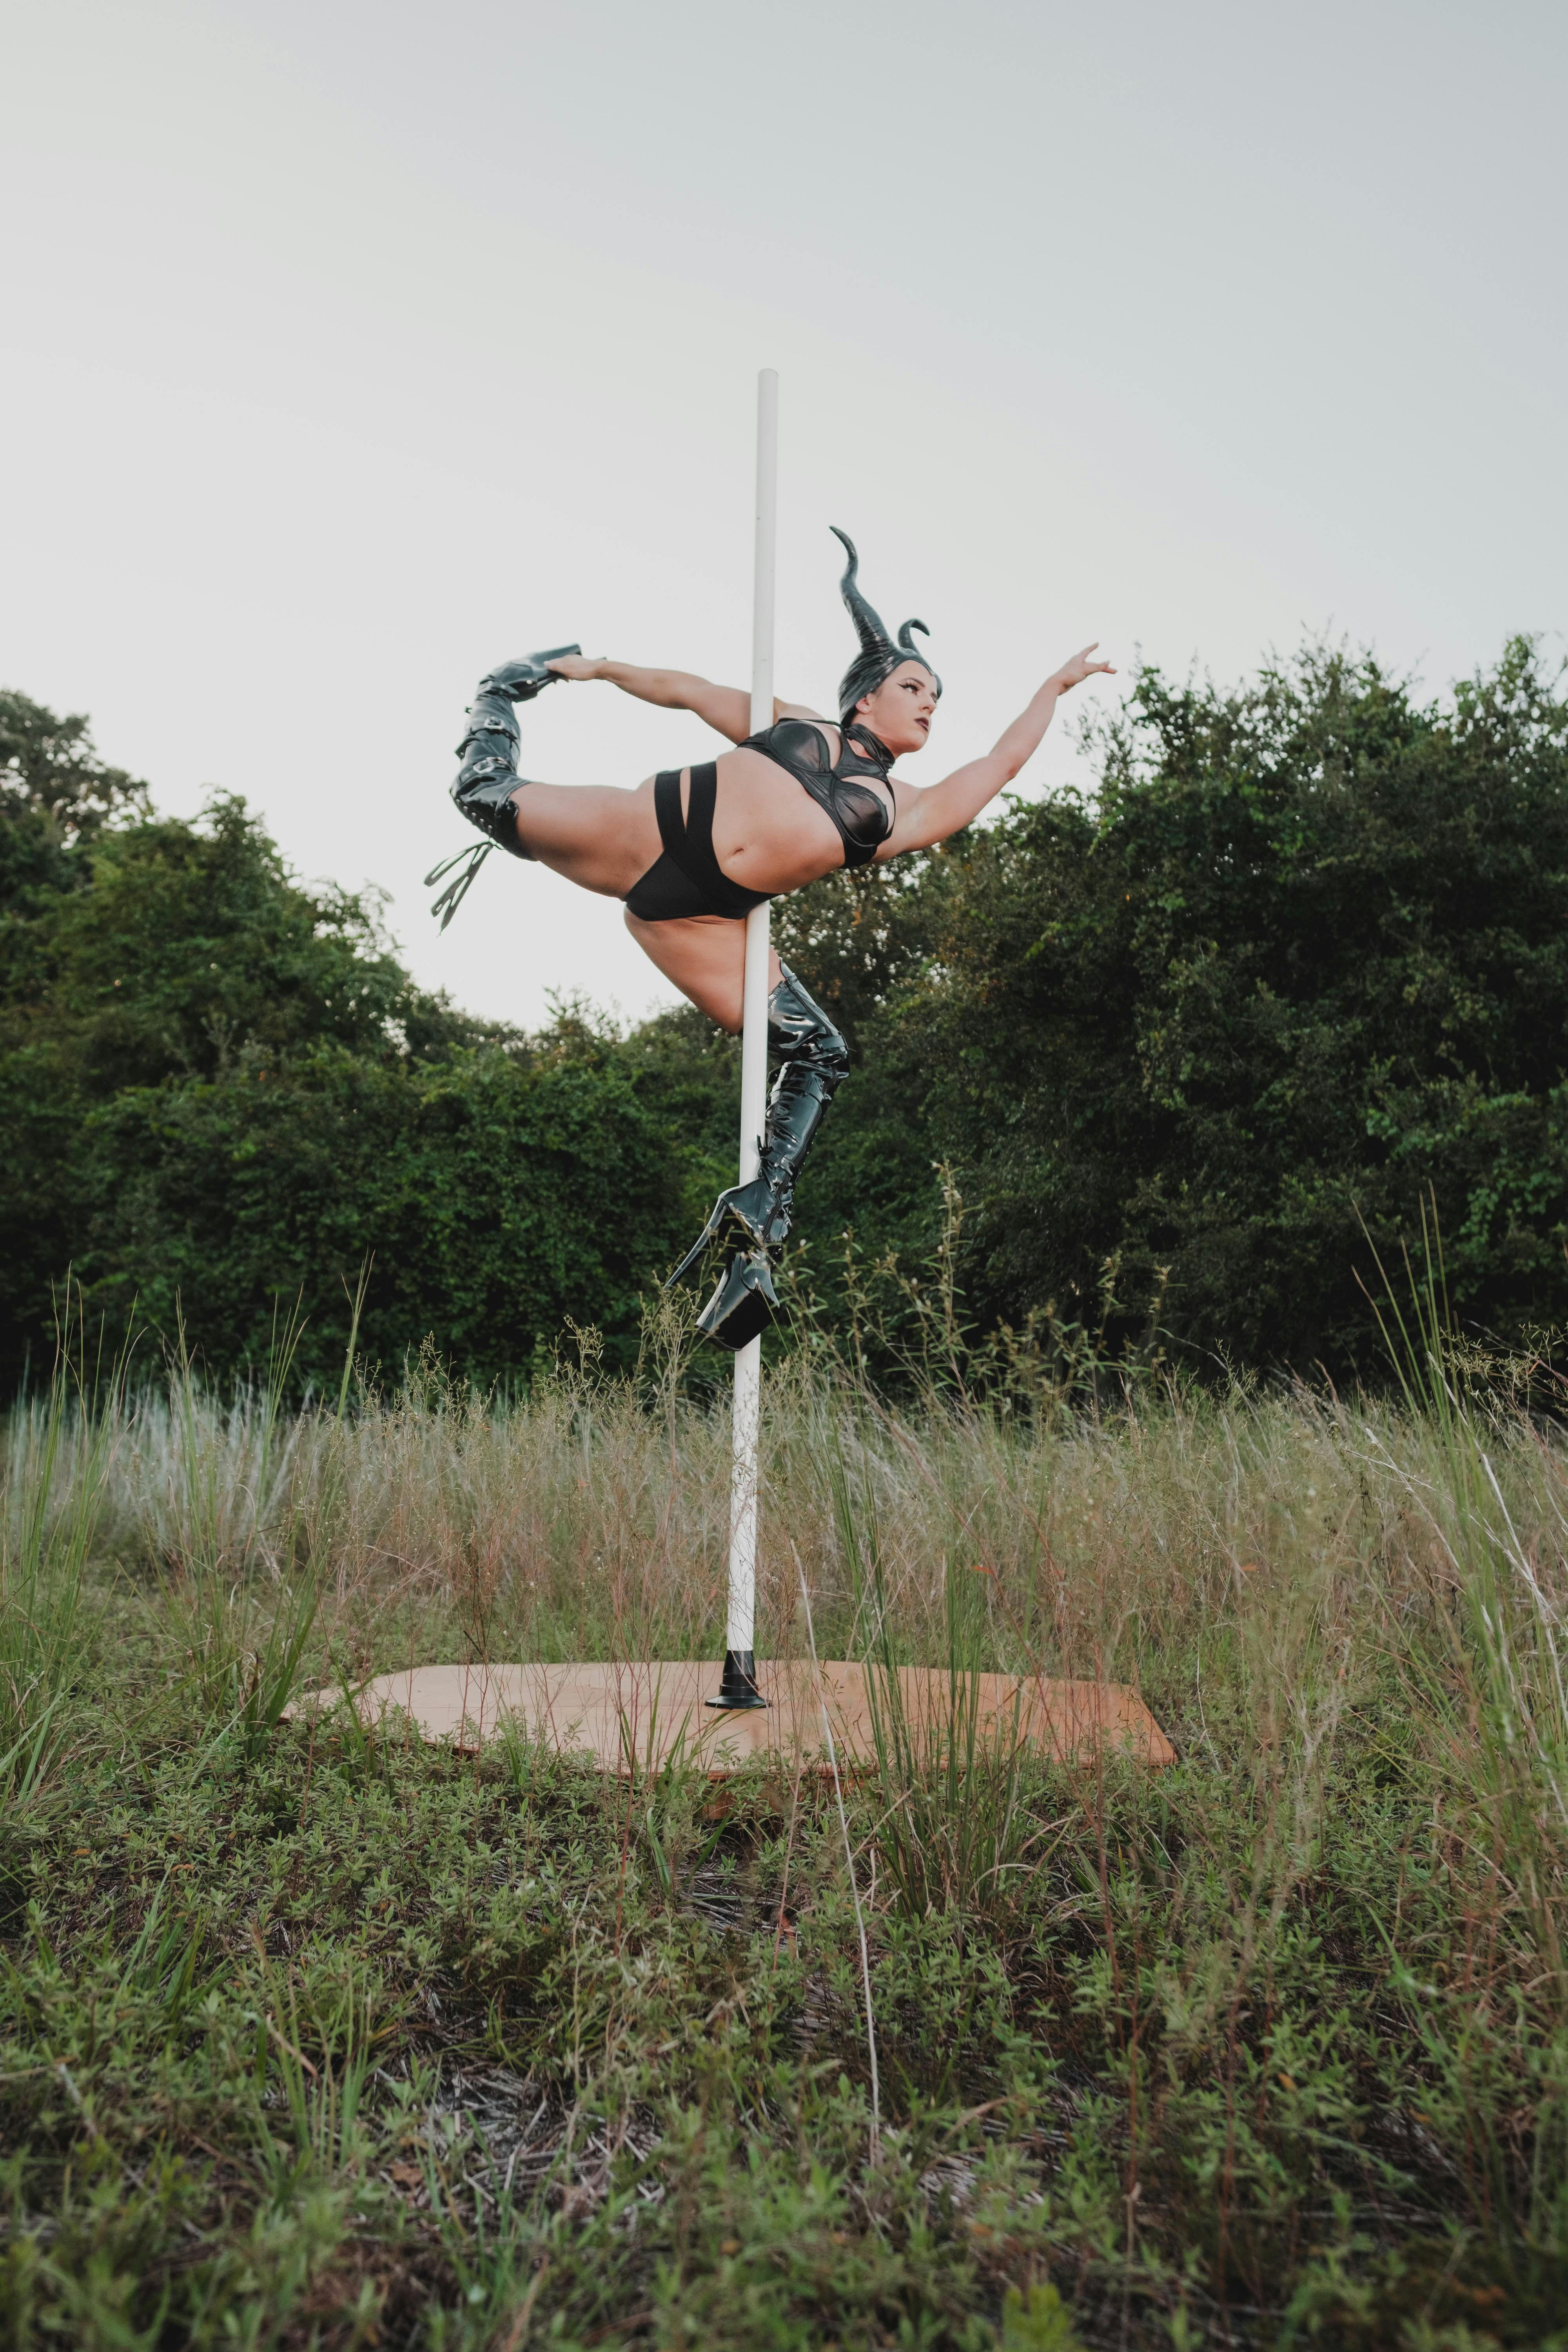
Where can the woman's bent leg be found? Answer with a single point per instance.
(814, 1061)
(705, 956)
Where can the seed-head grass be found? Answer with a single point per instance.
(309, 2033)
(55, 1484)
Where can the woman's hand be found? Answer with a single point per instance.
(1073, 671)
(928, 815)
(578, 665)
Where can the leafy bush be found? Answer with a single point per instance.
(221, 1090)
(1301, 963)
(1189, 1046)
(500, 1193)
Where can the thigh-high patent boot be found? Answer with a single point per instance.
(815, 1060)
(485, 783)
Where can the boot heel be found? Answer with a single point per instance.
(699, 1245)
(739, 1203)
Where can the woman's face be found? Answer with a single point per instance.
(900, 712)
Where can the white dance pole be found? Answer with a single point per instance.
(740, 1632)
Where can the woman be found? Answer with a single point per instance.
(692, 850)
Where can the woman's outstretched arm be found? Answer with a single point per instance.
(726, 709)
(929, 814)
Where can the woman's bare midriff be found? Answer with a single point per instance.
(768, 835)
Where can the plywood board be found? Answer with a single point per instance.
(620, 1715)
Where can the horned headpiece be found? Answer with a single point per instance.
(880, 654)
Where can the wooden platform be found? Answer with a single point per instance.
(623, 1716)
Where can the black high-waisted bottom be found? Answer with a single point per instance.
(687, 879)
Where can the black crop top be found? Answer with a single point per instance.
(863, 817)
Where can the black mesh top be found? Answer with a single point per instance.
(863, 817)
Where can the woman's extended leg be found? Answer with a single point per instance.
(600, 838)
(595, 835)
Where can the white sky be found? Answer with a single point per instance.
(348, 349)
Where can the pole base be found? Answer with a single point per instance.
(738, 1687)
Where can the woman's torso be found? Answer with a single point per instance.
(771, 833)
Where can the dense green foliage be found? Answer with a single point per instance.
(1304, 962)
(49, 769)
(1300, 963)
(1191, 1048)
(220, 1091)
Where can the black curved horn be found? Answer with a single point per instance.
(908, 641)
(869, 622)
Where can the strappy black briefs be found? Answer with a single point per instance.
(687, 879)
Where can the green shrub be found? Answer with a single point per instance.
(1302, 962)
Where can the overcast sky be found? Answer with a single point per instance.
(349, 349)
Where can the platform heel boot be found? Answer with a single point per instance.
(484, 785)
(815, 1060)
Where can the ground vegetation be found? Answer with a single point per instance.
(316, 2036)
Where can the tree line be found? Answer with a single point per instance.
(1192, 1046)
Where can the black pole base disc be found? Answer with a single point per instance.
(738, 1685)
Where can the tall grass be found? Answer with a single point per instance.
(953, 1829)
(53, 1488)
(1491, 1686)
(1225, 2021)
(1253, 1546)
